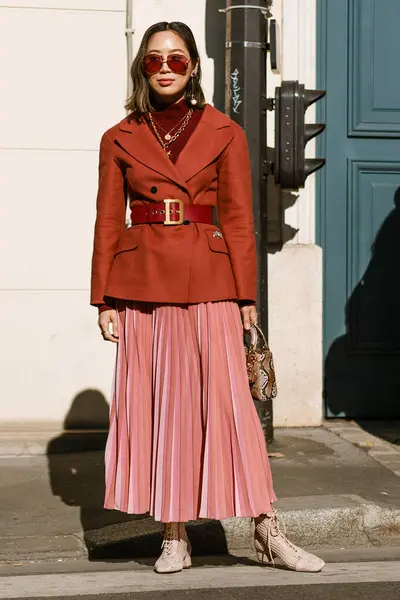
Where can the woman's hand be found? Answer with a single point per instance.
(105, 318)
(249, 315)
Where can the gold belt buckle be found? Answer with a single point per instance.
(168, 211)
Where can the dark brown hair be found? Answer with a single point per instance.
(140, 101)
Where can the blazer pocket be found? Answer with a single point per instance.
(128, 241)
(216, 241)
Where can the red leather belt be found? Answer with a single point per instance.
(172, 212)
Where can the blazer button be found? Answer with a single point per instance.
(154, 190)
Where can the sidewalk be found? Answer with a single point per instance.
(331, 493)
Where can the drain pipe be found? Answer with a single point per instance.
(129, 44)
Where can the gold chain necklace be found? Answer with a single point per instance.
(167, 143)
(168, 135)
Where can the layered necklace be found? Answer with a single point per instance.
(170, 137)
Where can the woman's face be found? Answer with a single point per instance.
(169, 86)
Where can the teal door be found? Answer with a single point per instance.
(358, 199)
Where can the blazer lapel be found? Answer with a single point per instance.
(137, 139)
(211, 136)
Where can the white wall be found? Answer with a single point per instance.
(63, 83)
(63, 70)
(299, 63)
(63, 74)
(295, 273)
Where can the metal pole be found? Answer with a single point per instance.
(129, 44)
(246, 51)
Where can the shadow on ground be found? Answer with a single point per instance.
(76, 472)
(386, 430)
(76, 463)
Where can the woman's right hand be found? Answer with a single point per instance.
(106, 318)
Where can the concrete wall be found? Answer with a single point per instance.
(64, 82)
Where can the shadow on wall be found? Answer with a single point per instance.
(76, 473)
(362, 369)
(279, 232)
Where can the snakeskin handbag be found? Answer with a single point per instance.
(260, 366)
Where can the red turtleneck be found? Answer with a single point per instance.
(166, 117)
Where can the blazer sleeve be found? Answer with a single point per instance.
(235, 214)
(110, 219)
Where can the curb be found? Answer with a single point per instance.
(327, 521)
(20, 443)
(384, 452)
(335, 520)
(40, 439)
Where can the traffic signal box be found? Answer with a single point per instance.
(291, 168)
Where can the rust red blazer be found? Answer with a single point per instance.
(177, 263)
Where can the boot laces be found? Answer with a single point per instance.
(273, 523)
(171, 535)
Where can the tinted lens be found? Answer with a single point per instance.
(177, 64)
(152, 64)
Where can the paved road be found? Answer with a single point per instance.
(354, 591)
(338, 581)
(322, 481)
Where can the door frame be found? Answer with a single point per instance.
(321, 80)
(321, 179)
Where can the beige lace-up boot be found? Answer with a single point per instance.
(176, 550)
(270, 542)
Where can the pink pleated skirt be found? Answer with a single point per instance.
(185, 441)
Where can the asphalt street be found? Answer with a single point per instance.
(352, 591)
(375, 577)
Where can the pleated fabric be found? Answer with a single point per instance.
(185, 441)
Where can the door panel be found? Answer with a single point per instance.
(373, 315)
(373, 42)
(359, 206)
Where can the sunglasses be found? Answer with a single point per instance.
(178, 64)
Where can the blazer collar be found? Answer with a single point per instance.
(211, 136)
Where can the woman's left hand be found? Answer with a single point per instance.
(249, 315)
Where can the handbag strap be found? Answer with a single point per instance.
(255, 332)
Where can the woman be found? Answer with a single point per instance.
(175, 292)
